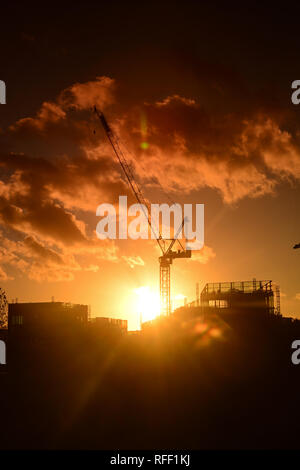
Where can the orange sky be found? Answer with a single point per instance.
(196, 117)
(48, 202)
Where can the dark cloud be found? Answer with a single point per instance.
(42, 252)
(56, 170)
(193, 147)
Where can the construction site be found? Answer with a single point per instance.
(200, 377)
(228, 300)
(210, 374)
(254, 297)
(231, 302)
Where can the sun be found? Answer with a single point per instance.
(148, 303)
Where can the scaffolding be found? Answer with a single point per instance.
(240, 296)
(277, 294)
(237, 286)
(165, 288)
(197, 295)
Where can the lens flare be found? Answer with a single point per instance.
(144, 131)
(148, 303)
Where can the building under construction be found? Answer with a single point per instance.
(241, 300)
(239, 297)
(59, 321)
(108, 325)
(39, 332)
(39, 317)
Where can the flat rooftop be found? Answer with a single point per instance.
(237, 286)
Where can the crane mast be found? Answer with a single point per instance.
(167, 254)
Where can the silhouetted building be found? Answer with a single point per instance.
(108, 325)
(3, 334)
(3, 351)
(238, 297)
(232, 301)
(45, 317)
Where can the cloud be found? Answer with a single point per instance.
(55, 170)
(99, 92)
(79, 96)
(39, 261)
(44, 218)
(92, 267)
(133, 261)
(46, 254)
(190, 147)
(4, 276)
(204, 255)
(48, 113)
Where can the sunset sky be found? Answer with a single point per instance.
(208, 87)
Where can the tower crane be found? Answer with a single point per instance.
(167, 252)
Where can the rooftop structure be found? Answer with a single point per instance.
(239, 296)
(43, 316)
(108, 324)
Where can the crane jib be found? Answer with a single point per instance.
(128, 173)
(167, 254)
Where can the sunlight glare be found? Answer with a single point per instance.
(148, 303)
